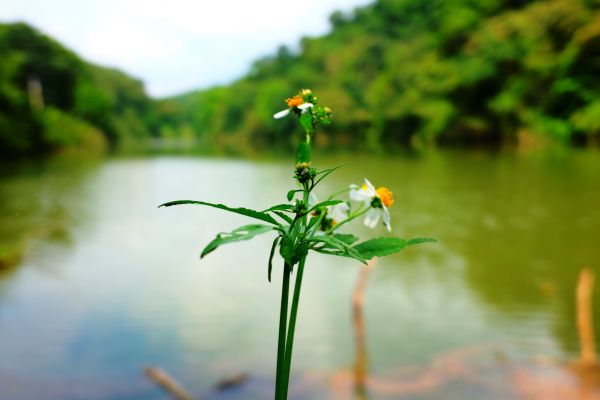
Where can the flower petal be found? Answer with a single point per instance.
(304, 106)
(358, 194)
(386, 218)
(372, 218)
(371, 188)
(338, 212)
(281, 113)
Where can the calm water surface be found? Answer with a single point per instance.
(108, 283)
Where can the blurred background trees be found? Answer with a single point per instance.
(396, 73)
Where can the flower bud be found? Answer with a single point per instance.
(304, 173)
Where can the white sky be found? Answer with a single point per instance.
(176, 45)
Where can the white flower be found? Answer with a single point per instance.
(303, 107)
(335, 213)
(338, 212)
(378, 201)
(365, 193)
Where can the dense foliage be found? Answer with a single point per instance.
(51, 99)
(402, 71)
(438, 70)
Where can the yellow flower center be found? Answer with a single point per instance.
(294, 101)
(385, 195)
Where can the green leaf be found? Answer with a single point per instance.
(292, 252)
(286, 218)
(345, 237)
(325, 204)
(384, 246)
(313, 221)
(332, 243)
(292, 193)
(326, 172)
(287, 250)
(300, 251)
(279, 207)
(273, 247)
(306, 120)
(303, 153)
(242, 233)
(240, 210)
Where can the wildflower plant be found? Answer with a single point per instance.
(304, 224)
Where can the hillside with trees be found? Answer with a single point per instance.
(395, 73)
(403, 71)
(51, 99)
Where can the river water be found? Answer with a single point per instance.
(104, 283)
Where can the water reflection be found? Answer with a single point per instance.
(108, 283)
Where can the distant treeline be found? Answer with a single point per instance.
(443, 71)
(395, 72)
(51, 99)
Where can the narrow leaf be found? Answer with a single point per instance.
(313, 221)
(325, 204)
(327, 172)
(273, 247)
(339, 253)
(240, 210)
(279, 207)
(345, 237)
(292, 193)
(286, 218)
(384, 246)
(242, 233)
(334, 243)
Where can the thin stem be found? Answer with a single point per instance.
(338, 193)
(284, 347)
(289, 343)
(358, 214)
(285, 288)
(315, 226)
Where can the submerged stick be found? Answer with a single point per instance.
(360, 366)
(585, 320)
(231, 382)
(169, 384)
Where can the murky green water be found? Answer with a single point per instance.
(108, 283)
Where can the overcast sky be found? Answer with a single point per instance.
(176, 45)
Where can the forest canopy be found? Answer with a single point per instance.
(395, 72)
(51, 99)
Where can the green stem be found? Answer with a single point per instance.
(289, 343)
(338, 193)
(285, 289)
(285, 344)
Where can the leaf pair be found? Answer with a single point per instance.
(245, 232)
(337, 244)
